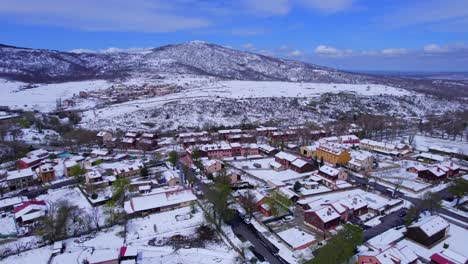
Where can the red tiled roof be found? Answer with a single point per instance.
(26, 204)
(122, 251)
(439, 259)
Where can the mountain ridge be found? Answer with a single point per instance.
(195, 57)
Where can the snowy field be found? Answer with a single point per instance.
(266, 173)
(74, 196)
(423, 143)
(43, 98)
(159, 228)
(401, 176)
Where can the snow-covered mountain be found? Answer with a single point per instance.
(195, 57)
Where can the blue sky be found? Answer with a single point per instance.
(406, 35)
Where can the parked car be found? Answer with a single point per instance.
(288, 218)
(247, 220)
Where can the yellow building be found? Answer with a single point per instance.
(308, 151)
(332, 154)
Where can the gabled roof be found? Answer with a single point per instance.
(431, 225)
(17, 174)
(286, 156)
(326, 213)
(299, 163)
(329, 171)
(22, 209)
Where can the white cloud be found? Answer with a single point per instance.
(105, 15)
(329, 5)
(434, 48)
(111, 50)
(332, 52)
(79, 51)
(266, 52)
(268, 7)
(393, 51)
(295, 53)
(249, 46)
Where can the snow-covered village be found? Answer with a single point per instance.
(234, 132)
(245, 194)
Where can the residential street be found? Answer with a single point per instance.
(389, 221)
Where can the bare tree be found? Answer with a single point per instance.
(411, 138)
(96, 217)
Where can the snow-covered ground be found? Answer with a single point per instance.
(43, 97)
(400, 176)
(423, 143)
(161, 227)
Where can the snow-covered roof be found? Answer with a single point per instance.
(148, 135)
(144, 188)
(355, 203)
(394, 255)
(286, 156)
(17, 174)
(378, 144)
(329, 139)
(229, 131)
(296, 237)
(93, 174)
(452, 256)
(430, 156)
(348, 137)
(332, 148)
(326, 213)
(438, 172)
(100, 152)
(102, 133)
(149, 202)
(31, 159)
(69, 163)
(38, 153)
(128, 140)
(12, 201)
(131, 134)
(450, 165)
(431, 225)
(266, 148)
(209, 162)
(193, 134)
(275, 165)
(360, 155)
(27, 207)
(299, 163)
(103, 256)
(329, 171)
(261, 129)
(287, 192)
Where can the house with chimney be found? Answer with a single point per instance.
(46, 172)
(324, 217)
(393, 254)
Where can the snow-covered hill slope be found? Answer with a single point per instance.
(196, 58)
(212, 102)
